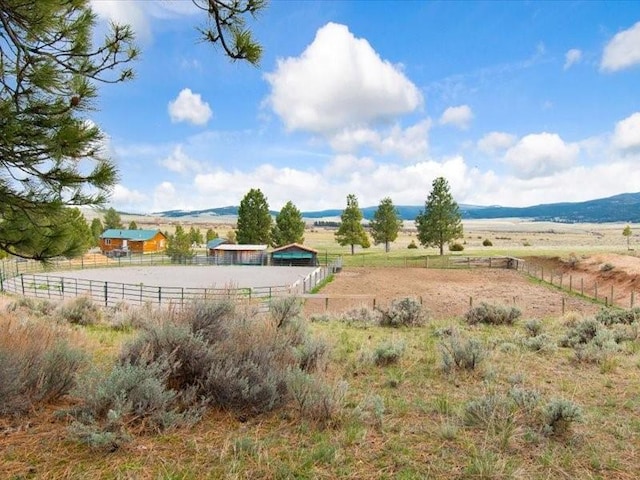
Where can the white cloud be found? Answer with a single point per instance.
(458, 116)
(622, 51)
(412, 142)
(338, 82)
(626, 135)
(342, 165)
(179, 161)
(572, 57)
(165, 197)
(189, 107)
(539, 155)
(127, 199)
(495, 142)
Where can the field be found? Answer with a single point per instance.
(412, 417)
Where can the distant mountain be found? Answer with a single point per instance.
(619, 208)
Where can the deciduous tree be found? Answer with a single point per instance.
(289, 226)
(179, 248)
(627, 233)
(50, 152)
(254, 219)
(96, 230)
(386, 223)
(211, 234)
(440, 222)
(195, 235)
(351, 232)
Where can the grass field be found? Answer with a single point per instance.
(551, 397)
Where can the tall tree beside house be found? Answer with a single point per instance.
(211, 234)
(133, 225)
(179, 246)
(51, 155)
(231, 236)
(440, 222)
(626, 231)
(351, 232)
(289, 226)
(386, 223)
(96, 230)
(195, 235)
(254, 219)
(112, 219)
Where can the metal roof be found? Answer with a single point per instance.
(239, 248)
(129, 234)
(294, 246)
(213, 243)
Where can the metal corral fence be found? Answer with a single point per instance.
(42, 285)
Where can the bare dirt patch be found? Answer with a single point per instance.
(446, 293)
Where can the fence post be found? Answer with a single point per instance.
(611, 295)
(106, 294)
(570, 282)
(326, 303)
(632, 299)
(182, 297)
(582, 287)
(562, 305)
(542, 273)
(470, 302)
(596, 290)
(22, 282)
(159, 296)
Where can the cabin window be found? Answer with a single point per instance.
(107, 241)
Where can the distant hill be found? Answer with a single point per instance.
(619, 208)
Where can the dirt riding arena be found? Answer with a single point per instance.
(445, 293)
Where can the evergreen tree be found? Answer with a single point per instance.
(64, 232)
(133, 225)
(254, 219)
(49, 71)
(289, 226)
(195, 236)
(96, 231)
(440, 222)
(231, 236)
(179, 248)
(386, 223)
(112, 219)
(211, 234)
(351, 232)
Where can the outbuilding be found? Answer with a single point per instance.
(233, 254)
(294, 255)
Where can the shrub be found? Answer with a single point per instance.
(583, 332)
(361, 317)
(526, 400)
(559, 415)
(492, 315)
(404, 312)
(533, 327)
(284, 310)
(314, 399)
(388, 353)
(125, 316)
(539, 343)
(608, 316)
(487, 243)
(412, 245)
(79, 311)
(607, 267)
(456, 247)
(460, 353)
(37, 365)
(491, 412)
(38, 306)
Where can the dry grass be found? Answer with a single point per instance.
(400, 421)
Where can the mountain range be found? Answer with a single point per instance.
(624, 207)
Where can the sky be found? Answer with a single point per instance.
(514, 103)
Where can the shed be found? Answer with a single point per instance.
(295, 255)
(213, 243)
(232, 254)
(134, 241)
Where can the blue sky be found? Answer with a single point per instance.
(515, 103)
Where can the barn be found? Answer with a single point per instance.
(232, 254)
(132, 241)
(212, 244)
(294, 255)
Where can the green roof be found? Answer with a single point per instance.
(129, 234)
(291, 255)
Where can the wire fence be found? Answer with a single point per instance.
(604, 291)
(438, 261)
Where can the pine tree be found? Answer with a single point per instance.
(351, 232)
(289, 226)
(211, 234)
(195, 235)
(386, 223)
(440, 222)
(179, 248)
(112, 219)
(96, 231)
(254, 219)
(133, 225)
(49, 74)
